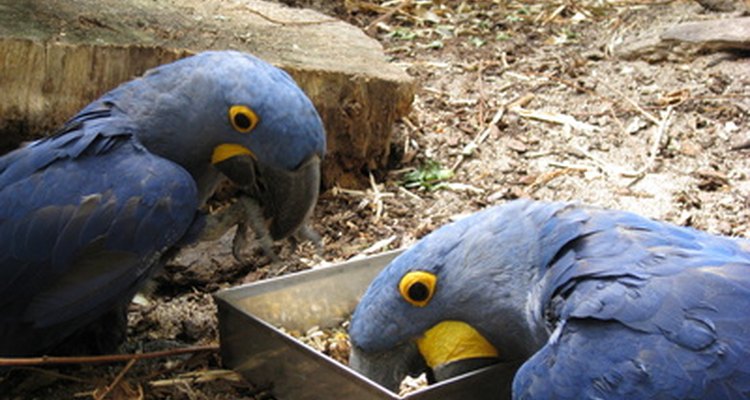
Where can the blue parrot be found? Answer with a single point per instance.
(87, 214)
(590, 303)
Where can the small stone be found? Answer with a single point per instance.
(517, 145)
(635, 125)
(690, 148)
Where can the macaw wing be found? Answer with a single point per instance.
(646, 310)
(79, 234)
(596, 359)
(604, 360)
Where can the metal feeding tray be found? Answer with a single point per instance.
(252, 344)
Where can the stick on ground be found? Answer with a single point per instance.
(107, 358)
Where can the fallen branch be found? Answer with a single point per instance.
(107, 358)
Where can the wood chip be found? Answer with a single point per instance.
(718, 34)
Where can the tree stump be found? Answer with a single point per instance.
(56, 56)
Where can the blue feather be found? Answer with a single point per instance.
(87, 213)
(603, 304)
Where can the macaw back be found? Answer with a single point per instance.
(640, 309)
(84, 215)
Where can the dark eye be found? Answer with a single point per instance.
(417, 287)
(418, 291)
(242, 118)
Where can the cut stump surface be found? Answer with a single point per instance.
(56, 56)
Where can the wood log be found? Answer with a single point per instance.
(716, 34)
(58, 55)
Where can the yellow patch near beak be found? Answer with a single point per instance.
(452, 341)
(226, 151)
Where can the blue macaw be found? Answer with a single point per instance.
(591, 303)
(86, 214)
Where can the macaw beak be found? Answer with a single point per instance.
(388, 368)
(290, 196)
(446, 350)
(287, 197)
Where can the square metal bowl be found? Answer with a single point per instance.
(252, 344)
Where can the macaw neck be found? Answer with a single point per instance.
(206, 176)
(520, 335)
(207, 180)
(528, 274)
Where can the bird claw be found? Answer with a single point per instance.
(307, 233)
(240, 243)
(255, 221)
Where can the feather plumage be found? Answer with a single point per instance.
(597, 304)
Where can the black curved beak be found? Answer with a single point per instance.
(286, 197)
(460, 367)
(390, 367)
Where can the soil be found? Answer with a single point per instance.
(639, 127)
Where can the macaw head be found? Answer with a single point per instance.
(462, 297)
(231, 112)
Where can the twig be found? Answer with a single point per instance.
(461, 187)
(409, 194)
(742, 146)
(471, 146)
(350, 192)
(435, 91)
(555, 118)
(198, 377)
(378, 200)
(640, 173)
(549, 176)
(481, 103)
(288, 23)
(603, 165)
(632, 102)
(474, 144)
(640, 3)
(375, 247)
(108, 358)
(574, 167)
(116, 381)
(386, 16)
(554, 14)
(617, 120)
(655, 147)
(520, 101)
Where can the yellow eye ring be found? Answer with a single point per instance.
(417, 287)
(242, 118)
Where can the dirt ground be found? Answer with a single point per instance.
(553, 100)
